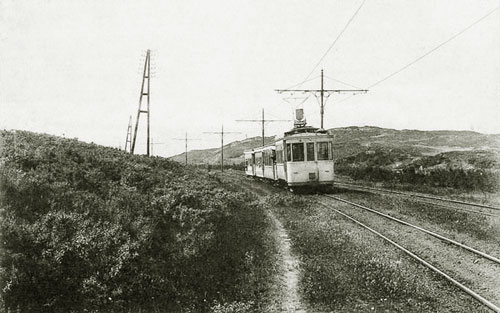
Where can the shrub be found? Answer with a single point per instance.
(88, 228)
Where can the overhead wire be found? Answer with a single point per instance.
(329, 48)
(342, 82)
(303, 82)
(428, 52)
(434, 49)
(336, 39)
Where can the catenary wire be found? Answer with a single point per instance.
(433, 49)
(336, 39)
(342, 82)
(427, 53)
(329, 48)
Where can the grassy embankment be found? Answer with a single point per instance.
(473, 175)
(89, 228)
(346, 269)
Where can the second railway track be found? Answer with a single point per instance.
(451, 266)
(438, 201)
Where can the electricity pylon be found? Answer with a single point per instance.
(145, 76)
(129, 133)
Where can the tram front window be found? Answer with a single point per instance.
(298, 152)
(322, 150)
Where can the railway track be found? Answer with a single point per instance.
(481, 288)
(326, 201)
(428, 199)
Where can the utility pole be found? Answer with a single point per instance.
(221, 133)
(186, 139)
(152, 143)
(145, 76)
(321, 92)
(263, 121)
(129, 133)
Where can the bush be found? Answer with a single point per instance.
(88, 228)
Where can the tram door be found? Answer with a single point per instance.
(253, 164)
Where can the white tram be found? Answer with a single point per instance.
(303, 157)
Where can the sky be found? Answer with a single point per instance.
(74, 68)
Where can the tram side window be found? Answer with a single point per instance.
(298, 152)
(267, 158)
(310, 151)
(323, 151)
(279, 156)
(288, 152)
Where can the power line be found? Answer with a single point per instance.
(428, 52)
(434, 49)
(336, 39)
(342, 82)
(303, 82)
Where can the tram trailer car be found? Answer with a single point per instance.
(303, 157)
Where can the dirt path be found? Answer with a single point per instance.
(291, 300)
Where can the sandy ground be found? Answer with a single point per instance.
(291, 300)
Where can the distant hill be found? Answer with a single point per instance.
(351, 141)
(233, 152)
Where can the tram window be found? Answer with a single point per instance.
(323, 151)
(298, 152)
(310, 151)
(288, 152)
(279, 156)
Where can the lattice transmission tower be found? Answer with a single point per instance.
(128, 140)
(145, 91)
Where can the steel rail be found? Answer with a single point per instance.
(457, 208)
(484, 255)
(408, 195)
(467, 290)
(423, 196)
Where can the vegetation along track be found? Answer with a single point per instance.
(429, 199)
(447, 259)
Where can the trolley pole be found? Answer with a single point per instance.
(322, 109)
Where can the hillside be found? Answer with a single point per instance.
(463, 160)
(233, 152)
(87, 228)
(353, 140)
